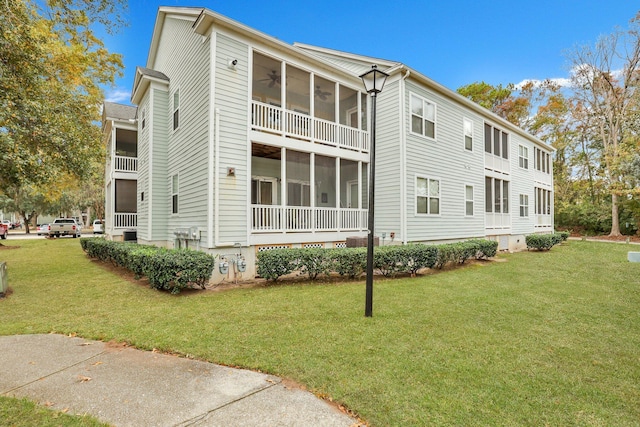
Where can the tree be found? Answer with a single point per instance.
(52, 69)
(604, 80)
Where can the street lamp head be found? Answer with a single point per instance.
(374, 80)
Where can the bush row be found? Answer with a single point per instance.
(352, 262)
(166, 269)
(544, 242)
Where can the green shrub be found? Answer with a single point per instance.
(564, 235)
(350, 262)
(541, 242)
(175, 270)
(314, 261)
(485, 248)
(415, 257)
(168, 269)
(276, 263)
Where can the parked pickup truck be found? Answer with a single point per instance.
(65, 227)
(4, 230)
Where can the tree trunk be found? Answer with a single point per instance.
(615, 220)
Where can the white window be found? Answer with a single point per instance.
(174, 194)
(427, 196)
(496, 195)
(542, 161)
(176, 109)
(496, 141)
(144, 117)
(423, 117)
(523, 157)
(468, 200)
(524, 205)
(468, 134)
(543, 201)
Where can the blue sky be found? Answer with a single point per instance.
(454, 42)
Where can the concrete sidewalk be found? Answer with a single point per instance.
(127, 387)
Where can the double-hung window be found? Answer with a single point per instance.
(523, 157)
(423, 117)
(468, 134)
(468, 200)
(524, 205)
(174, 194)
(176, 109)
(427, 196)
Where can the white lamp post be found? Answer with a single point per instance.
(373, 80)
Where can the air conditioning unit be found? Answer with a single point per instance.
(3, 278)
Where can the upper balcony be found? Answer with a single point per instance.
(125, 155)
(295, 103)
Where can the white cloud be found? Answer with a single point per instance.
(118, 95)
(560, 81)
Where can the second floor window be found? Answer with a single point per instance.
(468, 134)
(176, 109)
(523, 157)
(423, 117)
(496, 141)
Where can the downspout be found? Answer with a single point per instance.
(403, 160)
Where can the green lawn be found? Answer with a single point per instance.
(547, 338)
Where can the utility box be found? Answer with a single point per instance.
(633, 256)
(3, 278)
(361, 242)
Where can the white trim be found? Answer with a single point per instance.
(423, 117)
(174, 192)
(464, 135)
(173, 110)
(212, 207)
(473, 200)
(415, 196)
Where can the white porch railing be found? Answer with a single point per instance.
(280, 219)
(544, 221)
(269, 118)
(125, 220)
(125, 164)
(497, 163)
(497, 220)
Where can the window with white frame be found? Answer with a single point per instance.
(524, 205)
(523, 157)
(176, 109)
(496, 195)
(542, 161)
(144, 117)
(174, 194)
(427, 196)
(496, 141)
(423, 117)
(468, 134)
(543, 201)
(468, 200)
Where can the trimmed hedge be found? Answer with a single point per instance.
(166, 269)
(544, 242)
(352, 262)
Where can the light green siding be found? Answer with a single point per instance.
(158, 167)
(183, 56)
(143, 172)
(231, 100)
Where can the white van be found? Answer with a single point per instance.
(97, 227)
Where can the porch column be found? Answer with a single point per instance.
(283, 189)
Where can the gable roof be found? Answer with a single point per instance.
(144, 76)
(113, 111)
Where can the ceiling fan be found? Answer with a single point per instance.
(273, 78)
(321, 94)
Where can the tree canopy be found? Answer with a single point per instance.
(52, 71)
